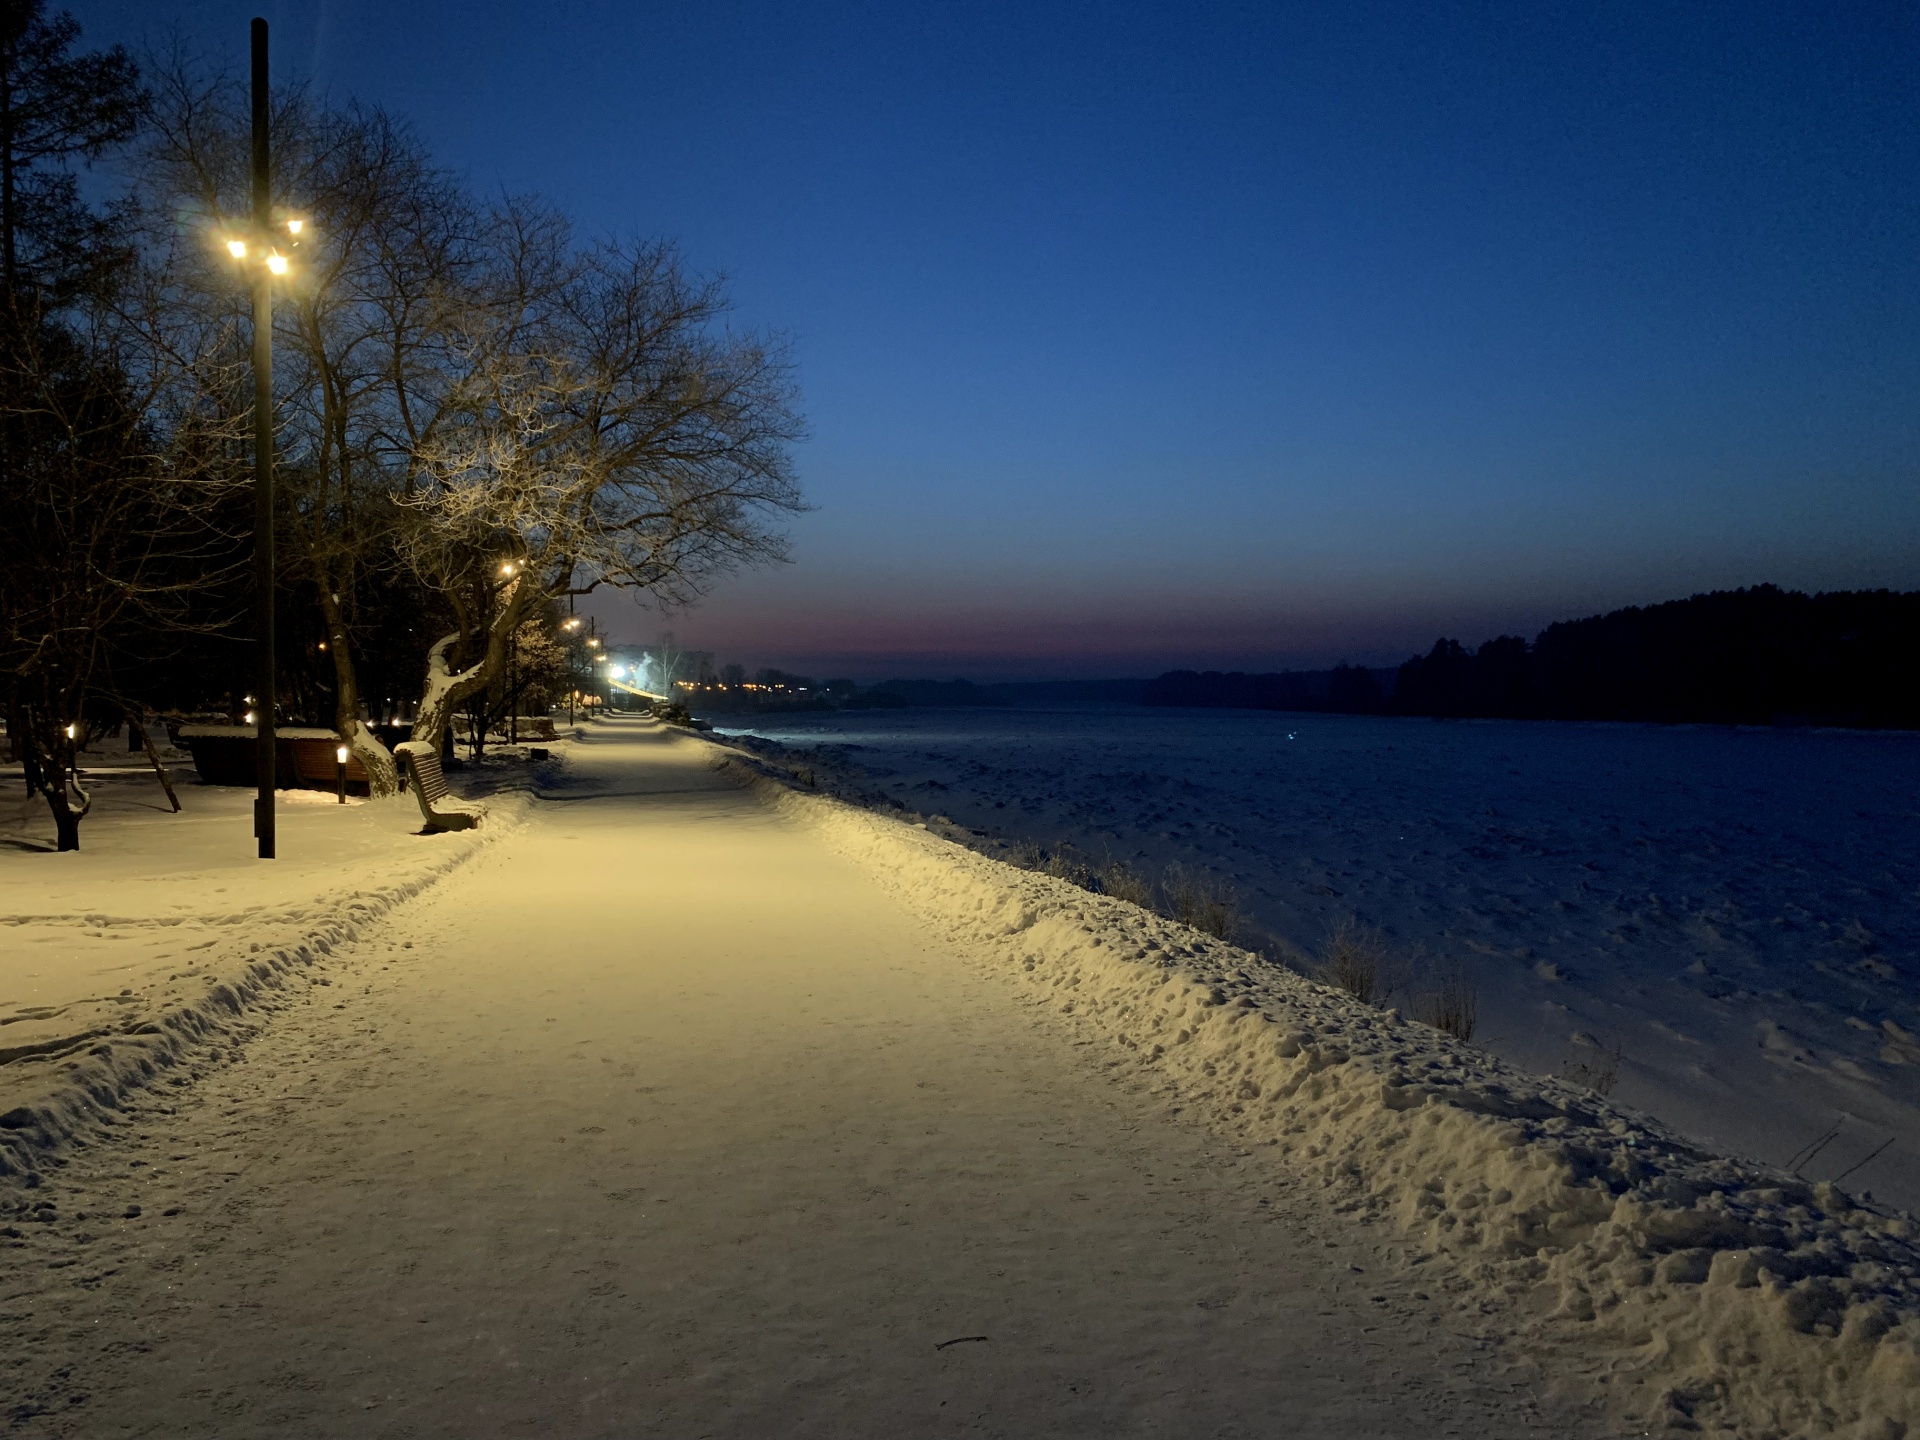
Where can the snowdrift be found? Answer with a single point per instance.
(88, 1054)
(1748, 1301)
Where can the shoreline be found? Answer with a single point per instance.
(1738, 1293)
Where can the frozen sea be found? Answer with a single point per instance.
(1735, 911)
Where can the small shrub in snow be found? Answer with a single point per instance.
(1453, 1006)
(1203, 901)
(1356, 960)
(1074, 872)
(1601, 1071)
(1123, 882)
(1025, 854)
(1193, 898)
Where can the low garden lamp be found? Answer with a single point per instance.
(340, 773)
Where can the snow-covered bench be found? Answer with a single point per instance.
(442, 809)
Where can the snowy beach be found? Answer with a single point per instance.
(1732, 911)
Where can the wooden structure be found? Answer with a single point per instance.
(439, 807)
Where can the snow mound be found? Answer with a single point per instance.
(1748, 1300)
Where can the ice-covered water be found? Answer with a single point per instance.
(1735, 910)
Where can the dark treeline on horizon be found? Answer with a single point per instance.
(1755, 656)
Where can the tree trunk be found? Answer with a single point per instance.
(66, 819)
(66, 824)
(153, 755)
(446, 688)
(383, 774)
(17, 729)
(9, 265)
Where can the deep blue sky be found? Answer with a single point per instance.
(1228, 334)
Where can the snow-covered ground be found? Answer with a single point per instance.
(660, 1118)
(161, 924)
(1737, 911)
(676, 1112)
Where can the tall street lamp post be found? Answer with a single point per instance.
(265, 684)
(260, 250)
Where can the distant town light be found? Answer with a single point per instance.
(69, 732)
(249, 718)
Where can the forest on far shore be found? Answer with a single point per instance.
(1754, 656)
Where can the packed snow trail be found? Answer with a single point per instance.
(661, 1119)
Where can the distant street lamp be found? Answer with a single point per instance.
(513, 673)
(573, 693)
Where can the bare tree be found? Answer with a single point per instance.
(386, 239)
(602, 429)
(468, 395)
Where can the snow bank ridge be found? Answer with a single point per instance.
(1751, 1302)
(49, 1108)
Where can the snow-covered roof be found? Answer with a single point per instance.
(247, 732)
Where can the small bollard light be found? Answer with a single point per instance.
(340, 773)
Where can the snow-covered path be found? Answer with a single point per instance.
(659, 1118)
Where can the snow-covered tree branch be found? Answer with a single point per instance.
(601, 430)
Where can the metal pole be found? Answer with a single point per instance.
(265, 682)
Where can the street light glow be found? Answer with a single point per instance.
(507, 569)
(237, 249)
(277, 264)
(294, 226)
(340, 754)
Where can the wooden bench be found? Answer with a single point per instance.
(441, 807)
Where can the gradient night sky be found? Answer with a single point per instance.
(1228, 334)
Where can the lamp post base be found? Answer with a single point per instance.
(263, 825)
